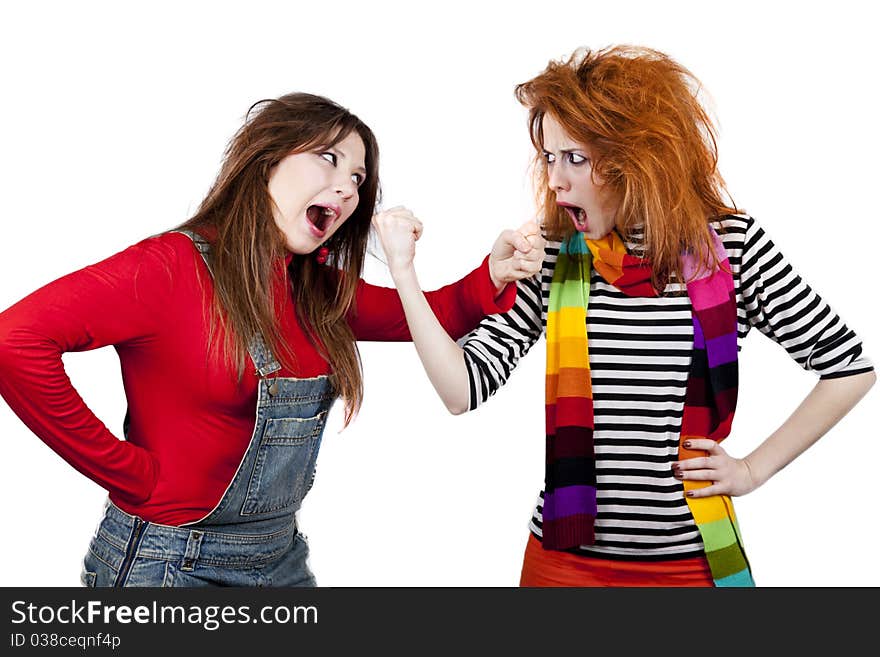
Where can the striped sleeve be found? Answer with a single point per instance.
(781, 305)
(493, 349)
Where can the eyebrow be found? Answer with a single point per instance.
(360, 169)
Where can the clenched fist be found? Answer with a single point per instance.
(516, 254)
(398, 231)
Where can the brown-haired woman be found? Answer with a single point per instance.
(650, 280)
(235, 335)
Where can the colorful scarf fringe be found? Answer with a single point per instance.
(569, 511)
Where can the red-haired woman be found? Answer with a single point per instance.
(235, 335)
(650, 281)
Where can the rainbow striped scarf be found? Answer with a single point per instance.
(570, 481)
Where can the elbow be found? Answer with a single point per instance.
(18, 345)
(456, 407)
(6, 348)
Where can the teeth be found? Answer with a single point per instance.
(328, 212)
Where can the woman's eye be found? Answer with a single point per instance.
(330, 157)
(574, 158)
(357, 178)
(549, 158)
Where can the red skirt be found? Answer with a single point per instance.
(554, 568)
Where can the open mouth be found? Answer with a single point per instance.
(578, 216)
(321, 217)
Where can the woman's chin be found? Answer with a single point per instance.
(301, 243)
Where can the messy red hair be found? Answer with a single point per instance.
(653, 142)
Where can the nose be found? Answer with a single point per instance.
(345, 187)
(556, 178)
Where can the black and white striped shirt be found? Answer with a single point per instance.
(640, 351)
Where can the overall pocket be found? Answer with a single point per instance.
(284, 464)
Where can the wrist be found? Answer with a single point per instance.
(496, 283)
(402, 275)
(757, 474)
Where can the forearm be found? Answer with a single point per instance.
(459, 307)
(441, 357)
(73, 314)
(826, 404)
(34, 384)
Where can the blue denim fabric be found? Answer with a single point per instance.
(250, 538)
(127, 551)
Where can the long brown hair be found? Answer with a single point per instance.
(654, 143)
(246, 244)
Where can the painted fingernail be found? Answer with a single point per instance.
(687, 443)
(690, 493)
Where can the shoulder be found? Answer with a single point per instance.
(733, 228)
(169, 244)
(733, 223)
(170, 249)
(742, 236)
(163, 258)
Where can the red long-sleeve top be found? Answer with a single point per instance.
(191, 419)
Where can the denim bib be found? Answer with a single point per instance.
(250, 538)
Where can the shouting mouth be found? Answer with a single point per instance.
(578, 216)
(321, 217)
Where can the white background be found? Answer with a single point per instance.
(112, 125)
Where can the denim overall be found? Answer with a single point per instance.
(250, 538)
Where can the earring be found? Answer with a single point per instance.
(323, 252)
